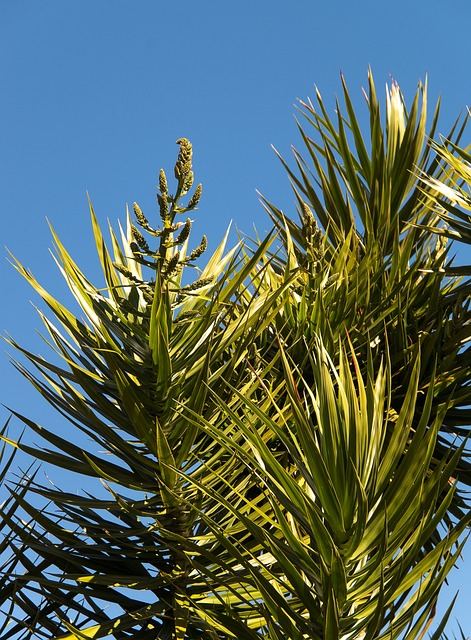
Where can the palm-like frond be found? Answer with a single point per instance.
(377, 271)
(452, 194)
(10, 542)
(340, 543)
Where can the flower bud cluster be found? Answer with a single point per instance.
(163, 186)
(198, 284)
(183, 164)
(187, 315)
(139, 238)
(190, 178)
(167, 258)
(184, 233)
(195, 198)
(172, 266)
(200, 249)
(313, 238)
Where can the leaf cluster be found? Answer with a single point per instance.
(281, 443)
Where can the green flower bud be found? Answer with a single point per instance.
(142, 220)
(183, 164)
(163, 205)
(188, 182)
(198, 284)
(195, 197)
(139, 238)
(124, 271)
(313, 238)
(134, 247)
(163, 186)
(171, 265)
(187, 315)
(200, 249)
(184, 233)
(148, 295)
(330, 281)
(309, 223)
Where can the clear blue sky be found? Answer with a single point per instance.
(94, 95)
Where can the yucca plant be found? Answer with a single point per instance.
(149, 344)
(347, 530)
(280, 440)
(378, 273)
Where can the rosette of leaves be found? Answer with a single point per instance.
(377, 274)
(351, 541)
